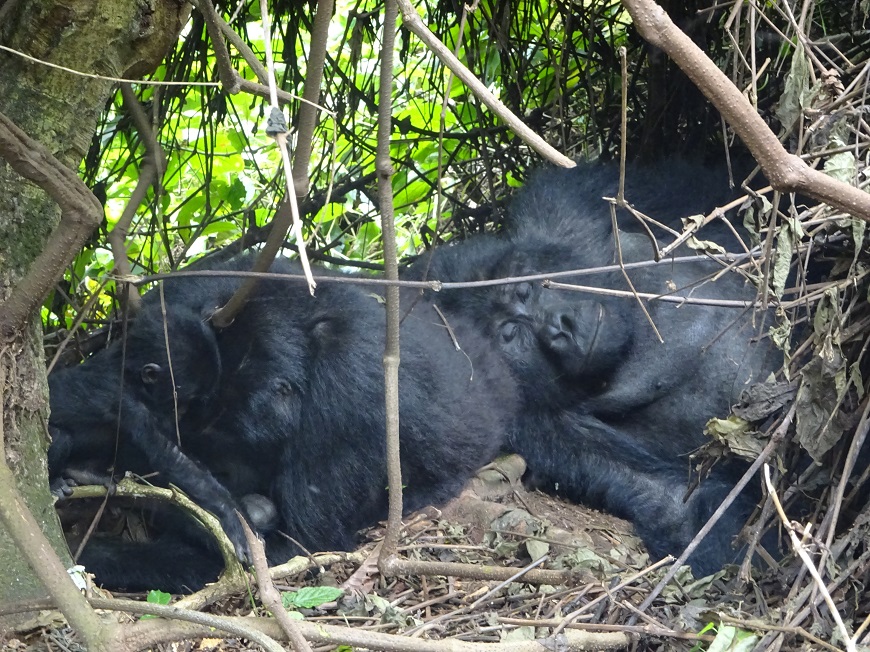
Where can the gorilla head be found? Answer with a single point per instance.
(167, 367)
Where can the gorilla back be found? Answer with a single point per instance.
(297, 408)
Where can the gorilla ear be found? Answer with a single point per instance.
(151, 373)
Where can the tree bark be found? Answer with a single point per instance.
(114, 38)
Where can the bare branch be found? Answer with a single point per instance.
(384, 167)
(150, 173)
(311, 96)
(23, 529)
(268, 593)
(786, 172)
(411, 19)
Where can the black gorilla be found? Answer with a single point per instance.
(284, 405)
(609, 414)
(95, 404)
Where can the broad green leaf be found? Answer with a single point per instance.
(310, 596)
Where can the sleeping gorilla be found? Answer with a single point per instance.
(609, 414)
(286, 403)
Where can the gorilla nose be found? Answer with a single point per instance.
(560, 329)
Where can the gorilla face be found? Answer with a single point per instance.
(556, 338)
(584, 338)
(92, 404)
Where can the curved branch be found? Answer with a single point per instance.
(81, 213)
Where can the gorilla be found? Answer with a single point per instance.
(281, 413)
(609, 414)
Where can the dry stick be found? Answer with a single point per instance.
(151, 632)
(83, 314)
(799, 631)
(830, 520)
(485, 573)
(569, 619)
(236, 83)
(217, 26)
(806, 594)
(311, 94)
(620, 195)
(165, 322)
(776, 438)
(129, 488)
(862, 628)
(808, 562)
(786, 172)
(620, 200)
(618, 247)
(268, 593)
(670, 298)
(435, 284)
(226, 73)
(690, 230)
(391, 272)
(283, 221)
(388, 562)
(655, 630)
(513, 578)
(232, 585)
(150, 173)
(412, 21)
(307, 115)
(81, 213)
(24, 531)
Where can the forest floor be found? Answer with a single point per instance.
(498, 522)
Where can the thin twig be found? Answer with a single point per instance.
(799, 548)
(268, 593)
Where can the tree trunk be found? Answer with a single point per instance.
(114, 38)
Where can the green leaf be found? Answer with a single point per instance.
(731, 639)
(310, 596)
(221, 227)
(156, 597)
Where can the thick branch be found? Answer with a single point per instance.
(147, 633)
(23, 529)
(269, 595)
(311, 96)
(81, 212)
(786, 172)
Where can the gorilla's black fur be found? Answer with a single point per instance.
(282, 412)
(610, 414)
(286, 403)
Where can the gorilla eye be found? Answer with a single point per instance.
(509, 331)
(523, 291)
(151, 373)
